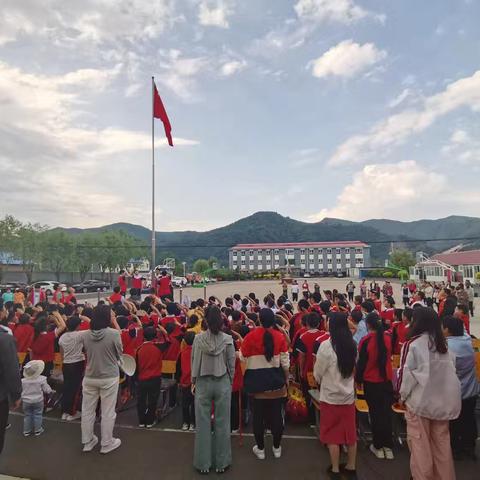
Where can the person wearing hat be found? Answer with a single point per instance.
(34, 386)
(10, 384)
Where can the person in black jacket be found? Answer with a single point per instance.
(10, 383)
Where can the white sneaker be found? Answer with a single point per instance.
(260, 454)
(388, 453)
(277, 452)
(70, 418)
(379, 453)
(185, 427)
(192, 428)
(88, 447)
(116, 442)
(64, 416)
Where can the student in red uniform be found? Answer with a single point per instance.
(164, 287)
(137, 284)
(117, 295)
(239, 398)
(149, 371)
(374, 371)
(296, 321)
(24, 334)
(188, 400)
(122, 283)
(304, 347)
(43, 345)
(36, 296)
(70, 297)
(357, 302)
(461, 312)
(388, 314)
(400, 328)
(375, 298)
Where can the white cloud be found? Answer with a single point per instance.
(404, 191)
(342, 11)
(94, 21)
(70, 169)
(232, 67)
(347, 59)
(463, 149)
(179, 73)
(397, 128)
(214, 13)
(400, 98)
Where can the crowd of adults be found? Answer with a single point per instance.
(242, 355)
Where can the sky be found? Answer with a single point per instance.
(352, 109)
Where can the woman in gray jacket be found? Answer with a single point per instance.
(213, 367)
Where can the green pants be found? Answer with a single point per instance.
(212, 450)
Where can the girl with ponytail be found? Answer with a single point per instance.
(374, 370)
(265, 352)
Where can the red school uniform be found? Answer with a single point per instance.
(305, 345)
(186, 366)
(43, 347)
(131, 343)
(122, 282)
(164, 286)
(137, 282)
(24, 335)
(116, 297)
(378, 306)
(388, 315)
(367, 366)
(149, 359)
(237, 383)
(296, 324)
(322, 336)
(399, 336)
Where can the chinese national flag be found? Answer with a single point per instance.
(160, 112)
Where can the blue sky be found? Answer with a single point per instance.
(355, 109)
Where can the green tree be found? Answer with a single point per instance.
(87, 253)
(403, 259)
(27, 247)
(212, 261)
(201, 265)
(57, 249)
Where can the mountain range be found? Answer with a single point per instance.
(429, 236)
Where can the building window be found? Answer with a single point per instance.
(289, 251)
(275, 251)
(302, 251)
(358, 250)
(260, 267)
(310, 251)
(251, 267)
(329, 251)
(250, 252)
(267, 252)
(234, 253)
(312, 266)
(320, 251)
(339, 266)
(259, 252)
(243, 262)
(338, 251)
(242, 253)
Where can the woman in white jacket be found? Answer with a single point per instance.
(430, 390)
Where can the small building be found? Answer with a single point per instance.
(448, 267)
(308, 257)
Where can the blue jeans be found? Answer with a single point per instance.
(33, 417)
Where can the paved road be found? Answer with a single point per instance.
(165, 453)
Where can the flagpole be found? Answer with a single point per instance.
(153, 184)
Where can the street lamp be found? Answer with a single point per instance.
(184, 266)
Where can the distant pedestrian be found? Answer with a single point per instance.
(295, 291)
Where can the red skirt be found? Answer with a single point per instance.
(337, 424)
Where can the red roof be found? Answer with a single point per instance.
(353, 243)
(471, 257)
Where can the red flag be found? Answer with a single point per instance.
(160, 112)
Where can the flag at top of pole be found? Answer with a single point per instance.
(160, 112)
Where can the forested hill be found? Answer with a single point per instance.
(273, 227)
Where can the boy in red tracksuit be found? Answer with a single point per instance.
(237, 383)
(400, 330)
(188, 400)
(149, 372)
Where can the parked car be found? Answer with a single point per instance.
(179, 281)
(92, 286)
(46, 285)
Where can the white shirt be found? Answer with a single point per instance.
(72, 348)
(295, 288)
(33, 389)
(334, 389)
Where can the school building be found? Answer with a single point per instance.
(447, 267)
(316, 258)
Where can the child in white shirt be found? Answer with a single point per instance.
(34, 386)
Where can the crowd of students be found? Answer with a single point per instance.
(241, 354)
